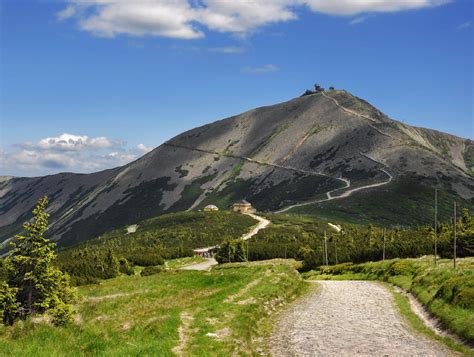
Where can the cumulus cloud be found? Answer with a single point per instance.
(353, 7)
(70, 142)
(143, 148)
(268, 68)
(187, 19)
(464, 25)
(68, 152)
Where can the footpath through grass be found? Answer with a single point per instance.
(447, 293)
(223, 312)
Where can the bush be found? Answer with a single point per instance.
(402, 267)
(337, 269)
(465, 298)
(125, 267)
(151, 270)
(61, 313)
(231, 251)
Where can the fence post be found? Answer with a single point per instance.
(454, 231)
(383, 249)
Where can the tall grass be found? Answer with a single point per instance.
(133, 315)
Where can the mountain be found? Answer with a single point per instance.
(328, 147)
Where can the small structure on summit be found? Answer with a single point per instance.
(243, 206)
(317, 89)
(210, 208)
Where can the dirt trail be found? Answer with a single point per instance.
(210, 262)
(206, 265)
(348, 318)
(262, 224)
(330, 195)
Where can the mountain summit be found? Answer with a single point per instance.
(327, 153)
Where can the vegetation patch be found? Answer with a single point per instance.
(406, 201)
(182, 172)
(165, 237)
(145, 315)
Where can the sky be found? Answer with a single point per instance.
(90, 85)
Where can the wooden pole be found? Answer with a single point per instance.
(454, 231)
(248, 250)
(436, 228)
(326, 248)
(335, 248)
(383, 249)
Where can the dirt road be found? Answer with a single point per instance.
(348, 318)
(262, 224)
(206, 265)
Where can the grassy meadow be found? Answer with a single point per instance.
(222, 312)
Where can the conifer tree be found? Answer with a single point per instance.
(39, 286)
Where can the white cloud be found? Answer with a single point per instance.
(143, 148)
(353, 7)
(70, 142)
(68, 152)
(67, 13)
(227, 50)
(357, 20)
(464, 25)
(186, 19)
(268, 68)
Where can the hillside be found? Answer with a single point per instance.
(172, 313)
(330, 147)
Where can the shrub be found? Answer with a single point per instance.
(465, 298)
(151, 270)
(402, 267)
(337, 269)
(125, 267)
(231, 251)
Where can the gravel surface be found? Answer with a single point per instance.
(206, 265)
(348, 318)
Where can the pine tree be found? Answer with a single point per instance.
(39, 285)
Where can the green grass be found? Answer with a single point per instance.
(403, 306)
(133, 315)
(406, 201)
(181, 262)
(447, 293)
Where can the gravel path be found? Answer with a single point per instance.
(348, 318)
(206, 265)
(262, 224)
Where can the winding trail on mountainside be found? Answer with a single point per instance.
(348, 318)
(210, 262)
(330, 195)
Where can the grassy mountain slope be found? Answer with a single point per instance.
(166, 314)
(274, 156)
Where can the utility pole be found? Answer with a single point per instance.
(248, 250)
(326, 248)
(335, 248)
(436, 228)
(285, 251)
(454, 231)
(383, 247)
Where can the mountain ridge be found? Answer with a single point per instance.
(271, 155)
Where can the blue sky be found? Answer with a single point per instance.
(86, 87)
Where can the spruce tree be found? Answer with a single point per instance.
(39, 285)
